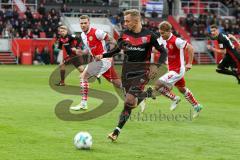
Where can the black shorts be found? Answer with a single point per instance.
(134, 83)
(227, 62)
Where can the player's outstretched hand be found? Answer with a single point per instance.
(98, 57)
(188, 67)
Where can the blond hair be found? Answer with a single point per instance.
(84, 17)
(63, 27)
(165, 26)
(132, 12)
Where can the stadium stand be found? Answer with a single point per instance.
(201, 14)
(38, 21)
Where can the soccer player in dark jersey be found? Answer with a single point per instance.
(231, 58)
(137, 44)
(71, 43)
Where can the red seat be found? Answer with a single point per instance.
(42, 35)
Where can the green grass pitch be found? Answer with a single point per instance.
(30, 130)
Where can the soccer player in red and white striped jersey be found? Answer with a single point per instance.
(95, 42)
(176, 65)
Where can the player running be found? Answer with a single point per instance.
(71, 44)
(175, 76)
(137, 44)
(95, 42)
(231, 56)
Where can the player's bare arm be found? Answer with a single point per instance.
(190, 51)
(221, 51)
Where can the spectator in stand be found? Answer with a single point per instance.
(1, 27)
(64, 8)
(41, 9)
(45, 56)
(49, 33)
(29, 34)
(15, 13)
(6, 33)
(170, 6)
(36, 33)
(22, 32)
(37, 57)
(29, 15)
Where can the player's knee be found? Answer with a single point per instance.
(181, 89)
(85, 75)
(130, 102)
(62, 67)
(81, 69)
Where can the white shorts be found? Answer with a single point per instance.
(170, 78)
(97, 68)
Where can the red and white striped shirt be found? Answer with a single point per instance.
(94, 41)
(175, 48)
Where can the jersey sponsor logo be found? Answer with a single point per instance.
(220, 45)
(144, 39)
(135, 48)
(127, 39)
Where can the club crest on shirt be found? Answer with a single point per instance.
(127, 39)
(90, 38)
(144, 39)
(171, 46)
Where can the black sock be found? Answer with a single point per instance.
(140, 100)
(124, 116)
(145, 94)
(62, 73)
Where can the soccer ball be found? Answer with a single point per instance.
(83, 140)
